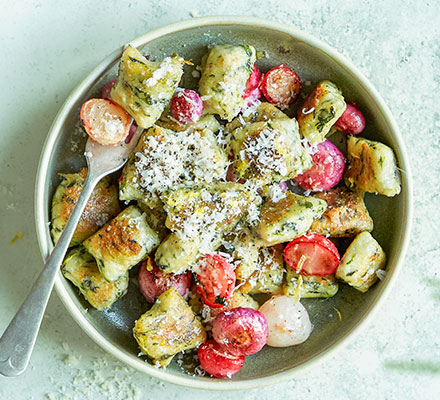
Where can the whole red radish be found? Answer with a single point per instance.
(186, 106)
(352, 121)
(240, 331)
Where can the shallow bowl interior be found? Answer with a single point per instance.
(314, 61)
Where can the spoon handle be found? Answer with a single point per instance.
(18, 339)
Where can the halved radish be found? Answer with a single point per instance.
(218, 362)
(281, 86)
(312, 255)
(320, 239)
(105, 121)
(216, 280)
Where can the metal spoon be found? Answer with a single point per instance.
(18, 340)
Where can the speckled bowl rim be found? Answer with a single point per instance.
(41, 212)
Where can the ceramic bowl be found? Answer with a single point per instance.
(313, 60)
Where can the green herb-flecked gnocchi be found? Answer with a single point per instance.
(156, 218)
(144, 88)
(101, 207)
(262, 113)
(371, 167)
(309, 286)
(168, 328)
(199, 218)
(360, 263)
(207, 121)
(320, 110)
(176, 253)
(218, 207)
(268, 277)
(122, 243)
(268, 151)
(287, 218)
(81, 269)
(246, 254)
(346, 214)
(225, 71)
(240, 299)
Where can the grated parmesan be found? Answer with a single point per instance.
(276, 193)
(176, 159)
(250, 108)
(261, 151)
(160, 73)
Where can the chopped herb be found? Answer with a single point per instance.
(351, 260)
(143, 96)
(220, 300)
(288, 225)
(324, 117)
(248, 50)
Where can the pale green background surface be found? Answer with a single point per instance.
(47, 48)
